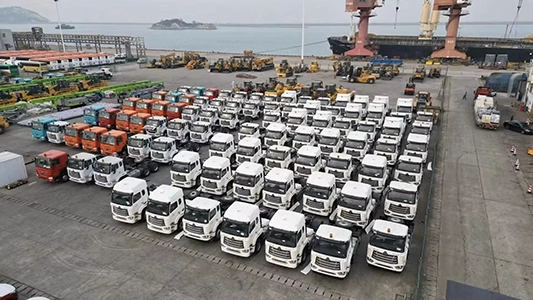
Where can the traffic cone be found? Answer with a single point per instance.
(517, 162)
(513, 149)
(529, 189)
(517, 166)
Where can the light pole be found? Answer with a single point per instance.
(59, 24)
(303, 29)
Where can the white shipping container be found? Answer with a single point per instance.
(12, 168)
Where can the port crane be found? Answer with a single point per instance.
(454, 10)
(365, 13)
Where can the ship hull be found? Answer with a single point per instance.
(339, 45)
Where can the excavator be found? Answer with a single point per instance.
(329, 91)
(263, 64)
(35, 91)
(292, 84)
(307, 90)
(420, 73)
(8, 98)
(94, 82)
(275, 88)
(229, 66)
(284, 69)
(314, 67)
(199, 63)
(422, 99)
(61, 87)
(434, 72)
(217, 66)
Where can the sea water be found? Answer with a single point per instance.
(268, 40)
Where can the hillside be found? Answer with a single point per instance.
(179, 24)
(19, 15)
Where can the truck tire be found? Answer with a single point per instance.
(371, 81)
(193, 195)
(143, 216)
(145, 172)
(63, 177)
(258, 245)
(2, 129)
(154, 167)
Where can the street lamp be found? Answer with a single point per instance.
(59, 24)
(303, 29)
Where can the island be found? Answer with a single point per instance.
(179, 24)
(65, 26)
(19, 15)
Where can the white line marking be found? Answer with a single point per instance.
(430, 166)
(179, 235)
(306, 270)
(295, 206)
(32, 183)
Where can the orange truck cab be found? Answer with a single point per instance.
(91, 138)
(73, 134)
(123, 119)
(108, 117)
(187, 99)
(160, 108)
(113, 142)
(159, 95)
(174, 111)
(130, 103)
(137, 122)
(52, 166)
(145, 106)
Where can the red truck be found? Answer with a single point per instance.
(211, 93)
(108, 117)
(483, 91)
(52, 166)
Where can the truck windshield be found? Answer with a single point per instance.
(404, 109)
(196, 215)
(88, 135)
(391, 131)
(420, 147)
(157, 106)
(158, 208)
(76, 164)
(274, 134)
(353, 202)
(199, 102)
(423, 118)
(341, 103)
(137, 143)
(366, 128)
(142, 105)
(209, 93)
(152, 122)
(218, 146)
(250, 106)
(387, 242)
(183, 90)
(227, 116)
(235, 228)
(324, 102)
(337, 163)
(216, 103)
(246, 180)
(121, 198)
(315, 191)
(238, 96)
(160, 146)
(271, 106)
(89, 112)
(374, 115)
(353, 144)
(306, 160)
(42, 162)
(102, 168)
(295, 120)
(334, 111)
(107, 139)
(233, 104)
(371, 171)
(275, 187)
(330, 247)
(277, 155)
(128, 103)
(287, 108)
(211, 173)
(207, 113)
(246, 151)
(122, 117)
(247, 130)
(286, 100)
(320, 123)
(327, 140)
(104, 115)
(196, 91)
(199, 128)
(269, 98)
(255, 97)
(420, 130)
(224, 94)
(136, 120)
(363, 104)
(342, 125)
(301, 137)
(157, 96)
(36, 125)
(402, 196)
(389, 148)
(189, 111)
(181, 167)
(53, 128)
(409, 167)
(175, 125)
(351, 114)
(174, 109)
(281, 237)
(69, 131)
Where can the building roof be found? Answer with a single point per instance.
(280, 175)
(242, 212)
(83, 156)
(287, 220)
(321, 179)
(203, 203)
(249, 168)
(129, 184)
(334, 233)
(166, 193)
(216, 162)
(403, 186)
(391, 228)
(186, 156)
(357, 189)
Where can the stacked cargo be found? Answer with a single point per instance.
(485, 113)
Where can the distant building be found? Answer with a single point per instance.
(6, 40)
(529, 88)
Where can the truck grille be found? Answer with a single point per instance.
(100, 178)
(233, 243)
(209, 184)
(271, 142)
(225, 123)
(74, 174)
(326, 149)
(337, 174)
(194, 229)
(120, 211)
(158, 155)
(217, 154)
(406, 177)
(298, 145)
(187, 117)
(314, 204)
(278, 252)
(196, 136)
(399, 209)
(370, 181)
(272, 198)
(355, 217)
(243, 159)
(327, 264)
(208, 120)
(303, 170)
(416, 154)
(242, 191)
(156, 221)
(249, 112)
(273, 164)
(51, 136)
(386, 258)
(134, 151)
(353, 153)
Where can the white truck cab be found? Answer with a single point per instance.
(201, 132)
(387, 148)
(289, 97)
(129, 199)
(280, 191)
(225, 94)
(376, 113)
(271, 106)
(388, 245)
(320, 194)
(178, 129)
(357, 145)
(234, 106)
(190, 113)
(404, 106)
(342, 100)
(329, 141)
(202, 219)
(249, 149)
(356, 205)
(336, 112)
(271, 116)
(248, 182)
(186, 169)
(55, 132)
(374, 171)
(383, 100)
(341, 166)
(308, 160)
(393, 129)
(251, 130)
(354, 112)
(165, 209)
(258, 97)
(288, 239)
(108, 171)
(302, 100)
(286, 109)
(276, 134)
(223, 145)
(208, 115)
(401, 200)
(156, 126)
(297, 117)
(251, 109)
(322, 120)
(425, 117)
(80, 167)
(239, 97)
(304, 136)
(419, 127)
(324, 102)
(163, 149)
(217, 104)
(369, 128)
(345, 125)
(410, 169)
(201, 102)
(364, 100)
(312, 106)
(217, 177)
(139, 146)
(243, 230)
(417, 145)
(279, 157)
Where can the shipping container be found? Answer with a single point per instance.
(12, 168)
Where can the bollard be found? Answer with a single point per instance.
(529, 189)
(518, 167)
(517, 162)
(513, 149)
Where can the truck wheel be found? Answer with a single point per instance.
(304, 256)
(64, 177)
(143, 216)
(193, 195)
(217, 234)
(371, 81)
(145, 172)
(154, 167)
(2, 129)
(229, 187)
(258, 245)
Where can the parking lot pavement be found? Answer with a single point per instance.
(480, 225)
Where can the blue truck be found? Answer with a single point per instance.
(198, 91)
(39, 128)
(90, 114)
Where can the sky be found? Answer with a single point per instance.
(250, 11)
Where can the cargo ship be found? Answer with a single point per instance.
(426, 45)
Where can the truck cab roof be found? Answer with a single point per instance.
(403, 186)
(405, 102)
(141, 136)
(330, 132)
(362, 98)
(222, 138)
(83, 156)
(312, 103)
(387, 141)
(203, 203)
(321, 179)
(166, 193)
(298, 112)
(381, 99)
(110, 160)
(178, 121)
(280, 175)
(251, 125)
(334, 233)
(242, 212)
(376, 106)
(309, 151)
(60, 123)
(250, 142)
(53, 154)
(408, 158)
(357, 136)
(280, 148)
(323, 115)
(374, 160)
(202, 123)
(186, 156)
(217, 162)
(392, 228)
(370, 123)
(354, 107)
(342, 156)
(164, 139)
(46, 120)
(422, 124)
(357, 189)
(390, 123)
(250, 168)
(277, 127)
(303, 129)
(417, 138)
(288, 220)
(393, 119)
(343, 97)
(159, 118)
(130, 184)
(289, 94)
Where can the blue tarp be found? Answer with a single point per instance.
(398, 62)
